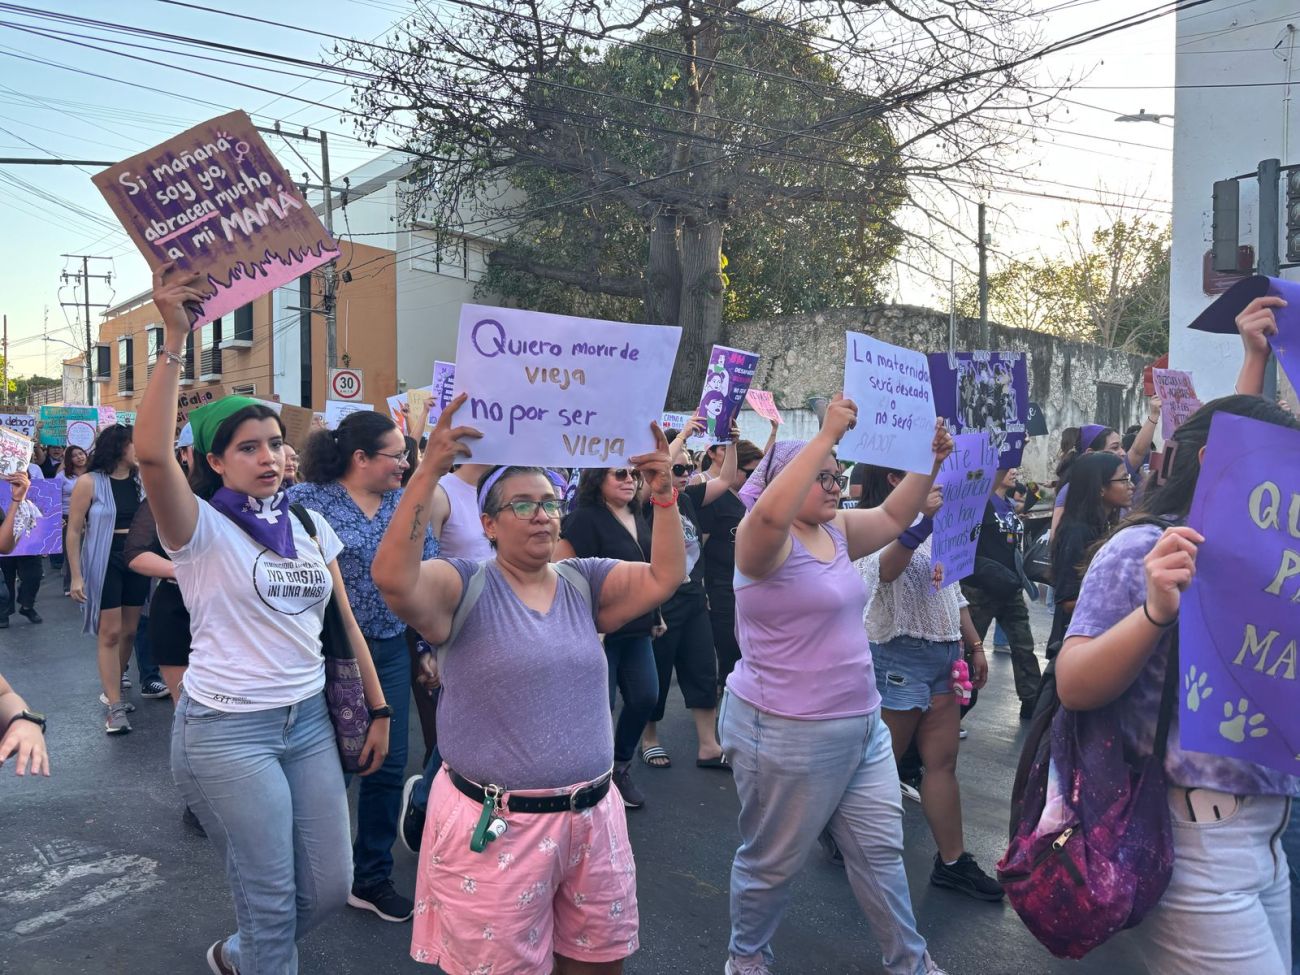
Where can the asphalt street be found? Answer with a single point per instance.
(97, 875)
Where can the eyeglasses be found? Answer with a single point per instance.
(624, 473)
(1121, 480)
(749, 471)
(525, 510)
(403, 458)
(832, 482)
(681, 470)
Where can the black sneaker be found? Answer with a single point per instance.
(31, 614)
(1026, 710)
(383, 900)
(966, 876)
(154, 689)
(633, 798)
(411, 818)
(191, 822)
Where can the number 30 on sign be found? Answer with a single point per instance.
(345, 384)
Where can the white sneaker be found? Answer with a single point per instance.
(910, 791)
(962, 732)
(103, 699)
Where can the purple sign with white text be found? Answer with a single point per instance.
(967, 481)
(725, 384)
(1237, 623)
(46, 538)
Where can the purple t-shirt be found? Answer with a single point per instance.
(525, 695)
(1114, 586)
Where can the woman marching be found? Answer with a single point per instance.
(73, 466)
(253, 749)
(801, 721)
(525, 865)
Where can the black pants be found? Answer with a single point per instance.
(1013, 614)
(27, 570)
(722, 618)
(687, 645)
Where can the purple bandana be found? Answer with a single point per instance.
(266, 520)
(772, 464)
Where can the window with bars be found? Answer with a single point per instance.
(153, 346)
(103, 363)
(125, 366)
(210, 351)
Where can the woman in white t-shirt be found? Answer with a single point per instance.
(253, 749)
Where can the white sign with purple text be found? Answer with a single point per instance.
(891, 387)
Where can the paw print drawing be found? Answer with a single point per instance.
(1235, 726)
(1196, 689)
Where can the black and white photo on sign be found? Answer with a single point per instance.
(986, 396)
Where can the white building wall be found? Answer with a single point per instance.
(1221, 131)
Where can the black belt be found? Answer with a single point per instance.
(581, 798)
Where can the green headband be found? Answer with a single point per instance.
(206, 420)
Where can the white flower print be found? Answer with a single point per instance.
(526, 897)
(504, 860)
(579, 854)
(548, 846)
(584, 941)
(469, 885)
(483, 969)
(579, 899)
(488, 934)
(533, 937)
(616, 909)
(420, 954)
(421, 907)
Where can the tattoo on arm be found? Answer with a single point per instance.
(416, 525)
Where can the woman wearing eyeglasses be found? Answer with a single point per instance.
(801, 720)
(354, 478)
(607, 522)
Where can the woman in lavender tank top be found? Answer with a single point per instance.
(801, 719)
(525, 864)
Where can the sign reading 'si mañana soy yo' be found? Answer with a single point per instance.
(552, 390)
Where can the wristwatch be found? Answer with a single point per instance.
(32, 716)
(383, 711)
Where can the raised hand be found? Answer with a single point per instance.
(841, 417)
(933, 501)
(173, 290)
(447, 443)
(655, 466)
(942, 444)
(1257, 322)
(19, 482)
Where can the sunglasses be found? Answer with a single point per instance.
(831, 483)
(681, 470)
(625, 473)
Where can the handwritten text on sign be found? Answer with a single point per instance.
(967, 481)
(215, 200)
(1177, 398)
(891, 387)
(551, 389)
(15, 452)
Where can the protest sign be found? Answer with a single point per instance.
(216, 201)
(23, 423)
(1035, 421)
(188, 402)
(726, 381)
(395, 404)
(419, 401)
(559, 391)
(126, 418)
(678, 421)
(891, 387)
(58, 421)
(1237, 621)
(444, 382)
(336, 410)
(107, 416)
(297, 425)
(1177, 398)
(967, 481)
(984, 391)
(46, 536)
(764, 405)
(15, 453)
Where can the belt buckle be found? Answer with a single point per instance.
(573, 797)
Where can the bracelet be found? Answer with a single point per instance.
(171, 356)
(1152, 420)
(1153, 621)
(978, 649)
(666, 504)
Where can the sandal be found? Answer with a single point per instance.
(719, 762)
(656, 757)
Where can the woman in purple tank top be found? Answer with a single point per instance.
(801, 719)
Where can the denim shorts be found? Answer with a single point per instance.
(909, 671)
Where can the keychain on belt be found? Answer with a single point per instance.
(491, 823)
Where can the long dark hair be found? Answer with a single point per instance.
(1089, 477)
(1098, 442)
(204, 481)
(875, 486)
(328, 454)
(67, 453)
(110, 447)
(590, 495)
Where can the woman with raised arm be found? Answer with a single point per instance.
(801, 721)
(525, 864)
(253, 749)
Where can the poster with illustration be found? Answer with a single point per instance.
(46, 536)
(444, 382)
(215, 200)
(726, 381)
(15, 453)
(984, 391)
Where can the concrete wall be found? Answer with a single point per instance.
(1223, 128)
(803, 358)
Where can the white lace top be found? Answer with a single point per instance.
(909, 606)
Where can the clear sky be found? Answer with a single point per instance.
(46, 109)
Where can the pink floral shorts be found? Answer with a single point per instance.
(555, 883)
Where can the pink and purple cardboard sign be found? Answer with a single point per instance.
(1238, 626)
(215, 200)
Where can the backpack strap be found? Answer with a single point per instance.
(579, 582)
(1167, 697)
(304, 519)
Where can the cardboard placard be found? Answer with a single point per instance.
(419, 401)
(444, 384)
(55, 420)
(336, 410)
(986, 391)
(23, 423)
(1177, 398)
(15, 453)
(764, 405)
(190, 400)
(891, 387)
(726, 381)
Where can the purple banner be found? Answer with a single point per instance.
(986, 391)
(967, 481)
(46, 538)
(1237, 624)
(725, 385)
(444, 381)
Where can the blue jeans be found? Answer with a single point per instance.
(143, 655)
(268, 788)
(1291, 844)
(794, 779)
(632, 670)
(379, 801)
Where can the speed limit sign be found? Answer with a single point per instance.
(345, 384)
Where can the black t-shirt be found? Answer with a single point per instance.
(1068, 549)
(595, 532)
(689, 503)
(719, 522)
(1000, 533)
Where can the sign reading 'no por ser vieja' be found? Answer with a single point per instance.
(216, 201)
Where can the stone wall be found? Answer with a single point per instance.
(803, 360)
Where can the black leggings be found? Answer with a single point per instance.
(722, 617)
(688, 646)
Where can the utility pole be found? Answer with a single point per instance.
(1269, 260)
(984, 279)
(6, 361)
(84, 278)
